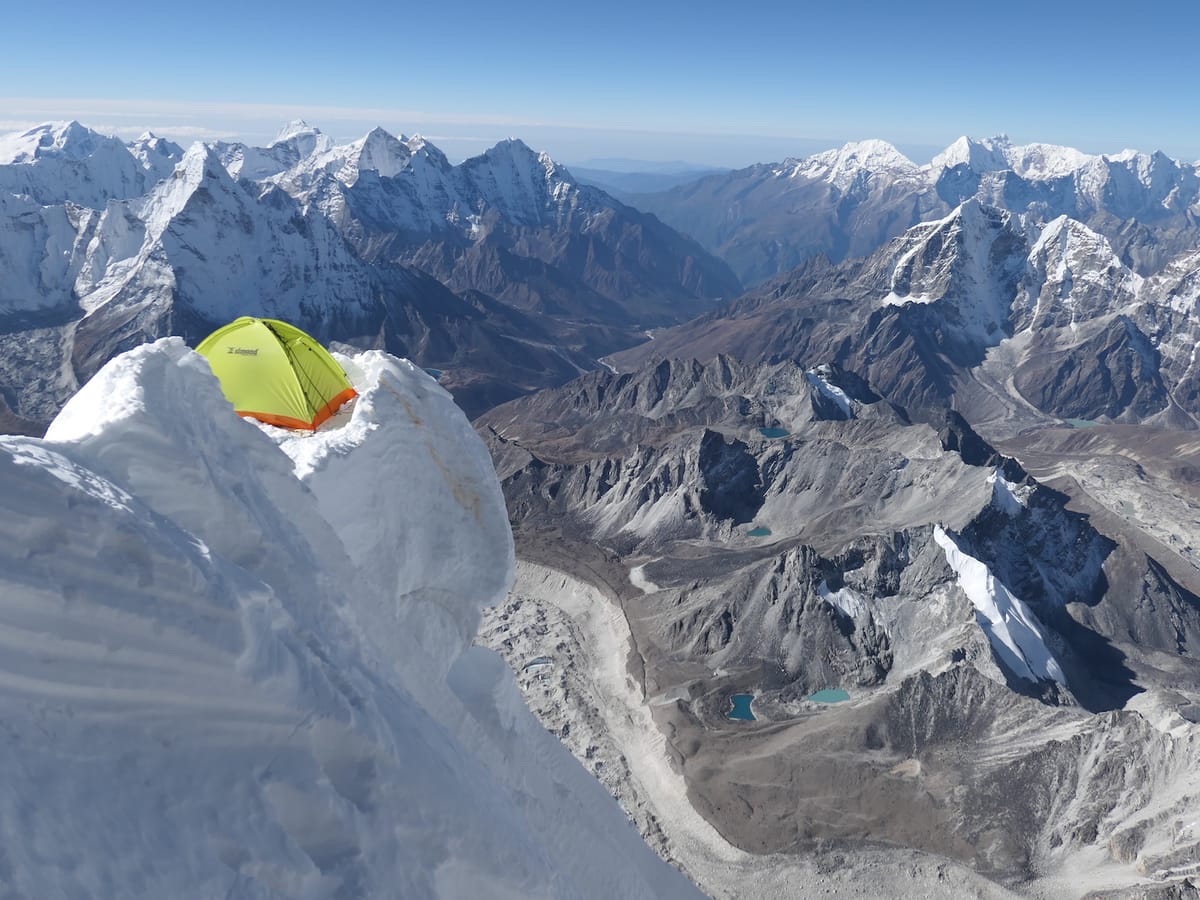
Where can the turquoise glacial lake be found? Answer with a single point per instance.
(761, 531)
(774, 432)
(741, 707)
(830, 695)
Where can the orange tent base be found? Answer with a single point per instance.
(323, 414)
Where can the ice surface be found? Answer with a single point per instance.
(232, 671)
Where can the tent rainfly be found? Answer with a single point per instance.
(276, 373)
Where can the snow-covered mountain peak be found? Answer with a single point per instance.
(200, 167)
(1069, 235)
(978, 155)
(157, 155)
(199, 163)
(973, 217)
(517, 181)
(302, 139)
(150, 143)
(422, 149)
(378, 151)
(1073, 275)
(966, 262)
(294, 128)
(514, 153)
(1154, 169)
(68, 140)
(1017, 637)
(1038, 162)
(1044, 161)
(843, 165)
(61, 161)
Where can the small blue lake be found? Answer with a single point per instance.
(741, 707)
(1082, 423)
(830, 695)
(760, 531)
(774, 432)
(434, 373)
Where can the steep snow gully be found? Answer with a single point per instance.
(237, 663)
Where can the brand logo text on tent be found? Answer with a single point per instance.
(241, 351)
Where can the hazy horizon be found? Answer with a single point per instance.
(594, 148)
(666, 81)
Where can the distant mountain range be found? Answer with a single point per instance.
(504, 270)
(941, 457)
(1003, 316)
(769, 218)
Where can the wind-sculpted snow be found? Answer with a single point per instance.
(231, 671)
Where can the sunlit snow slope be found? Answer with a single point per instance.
(233, 665)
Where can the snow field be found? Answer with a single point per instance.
(224, 680)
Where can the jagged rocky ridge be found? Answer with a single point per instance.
(769, 218)
(512, 223)
(379, 243)
(982, 309)
(1023, 686)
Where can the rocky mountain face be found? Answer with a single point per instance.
(380, 243)
(514, 224)
(768, 219)
(1010, 321)
(772, 217)
(1018, 679)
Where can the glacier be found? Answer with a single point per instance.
(240, 663)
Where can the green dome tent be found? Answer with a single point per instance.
(276, 373)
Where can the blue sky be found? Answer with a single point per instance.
(706, 82)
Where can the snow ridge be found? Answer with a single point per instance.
(1013, 630)
(276, 645)
(831, 391)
